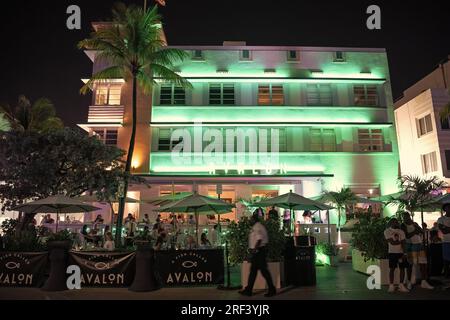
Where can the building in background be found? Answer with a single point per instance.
(424, 140)
(423, 137)
(329, 109)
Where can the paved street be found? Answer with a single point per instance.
(332, 283)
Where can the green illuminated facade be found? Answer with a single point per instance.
(331, 107)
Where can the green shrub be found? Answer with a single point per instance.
(25, 241)
(237, 238)
(368, 237)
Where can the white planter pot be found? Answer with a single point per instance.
(360, 265)
(276, 269)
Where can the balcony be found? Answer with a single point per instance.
(105, 114)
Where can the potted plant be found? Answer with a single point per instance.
(326, 254)
(237, 238)
(20, 241)
(370, 246)
(60, 240)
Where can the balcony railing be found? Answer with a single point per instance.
(105, 114)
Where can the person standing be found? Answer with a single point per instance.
(444, 226)
(213, 236)
(273, 214)
(396, 254)
(415, 250)
(257, 242)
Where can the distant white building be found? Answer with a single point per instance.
(423, 139)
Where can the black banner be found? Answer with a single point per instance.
(104, 269)
(190, 267)
(22, 269)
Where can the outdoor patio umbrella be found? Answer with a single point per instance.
(197, 204)
(93, 198)
(56, 204)
(294, 201)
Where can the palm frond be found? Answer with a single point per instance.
(114, 72)
(444, 114)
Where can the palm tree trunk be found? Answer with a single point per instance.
(128, 163)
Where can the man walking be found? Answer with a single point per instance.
(257, 242)
(396, 254)
(415, 250)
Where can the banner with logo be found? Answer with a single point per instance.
(190, 267)
(105, 269)
(22, 269)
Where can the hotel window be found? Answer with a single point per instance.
(108, 94)
(445, 124)
(197, 55)
(164, 140)
(322, 139)
(370, 140)
(221, 94)
(429, 163)
(245, 55)
(447, 159)
(319, 95)
(270, 94)
(172, 95)
(339, 56)
(107, 136)
(281, 139)
(424, 125)
(365, 95)
(292, 55)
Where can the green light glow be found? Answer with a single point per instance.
(322, 259)
(362, 79)
(282, 114)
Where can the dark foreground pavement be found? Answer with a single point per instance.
(335, 283)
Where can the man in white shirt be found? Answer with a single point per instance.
(213, 238)
(257, 242)
(444, 226)
(396, 254)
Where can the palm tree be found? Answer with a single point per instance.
(133, 46)
(39, 116)
(444, 114)
(340, 199)
(417, 193)
(4, 123)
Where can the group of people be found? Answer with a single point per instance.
(406, 249)
(96, 236)
(166, 233)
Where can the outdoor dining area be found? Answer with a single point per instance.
(175, 249)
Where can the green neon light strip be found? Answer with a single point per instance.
(282, 80)
(278, 108)
(151, 174)
(270, 124)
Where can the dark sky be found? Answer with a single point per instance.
(40, 58)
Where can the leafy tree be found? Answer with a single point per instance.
(4, 123)
(340, 199)
(133, 47)
(417, 193)
(34, 166)
(39, 116)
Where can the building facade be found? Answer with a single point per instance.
(424, 139)
(258, 121)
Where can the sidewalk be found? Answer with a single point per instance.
(336, 283)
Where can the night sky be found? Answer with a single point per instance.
(40, 58)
